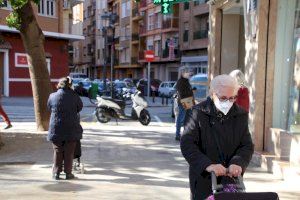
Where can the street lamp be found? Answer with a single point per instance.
(108, 20)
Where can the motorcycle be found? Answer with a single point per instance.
(108, 108)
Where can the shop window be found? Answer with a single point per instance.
(47, 7)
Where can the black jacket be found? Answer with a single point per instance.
(65, 106)
(184, 88)
(199, 148)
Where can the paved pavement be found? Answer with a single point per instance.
(125, 161)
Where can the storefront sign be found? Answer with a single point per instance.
(21, 60)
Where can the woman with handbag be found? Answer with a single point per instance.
(216, 138)
(184, 99)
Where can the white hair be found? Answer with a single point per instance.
(221, 81)
(239, 77)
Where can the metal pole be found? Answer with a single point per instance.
(105, 60)
(149, 67)
(111, 69)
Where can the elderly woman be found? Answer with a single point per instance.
(243, 93)
(216, 138)
(64, 127)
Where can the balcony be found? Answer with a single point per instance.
(200, 34)
(167, 55)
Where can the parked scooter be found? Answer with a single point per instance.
(108, 108)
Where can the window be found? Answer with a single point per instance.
(98, 53)
(186, 5)
(150, 21)
(47, 7)
(125, 9)
(186, 32)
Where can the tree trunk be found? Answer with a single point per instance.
(33, 41)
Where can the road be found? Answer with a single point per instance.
(124, 161)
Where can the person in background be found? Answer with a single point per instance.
(184, 90)
(243, 92)
(4, 117)
(64, 128)
(216, 138)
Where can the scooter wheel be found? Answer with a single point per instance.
(100, 116)
(145, 118)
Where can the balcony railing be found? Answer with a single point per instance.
(167, 55)
(200, 34)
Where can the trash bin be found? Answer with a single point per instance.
(93, 90)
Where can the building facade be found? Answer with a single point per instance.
(261, 38)
(159, 33)
(193, 35)
(14, 73)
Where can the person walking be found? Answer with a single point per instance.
(243, 93)
(216, 138)
(184, 91)
(64, 127)
(4, 116)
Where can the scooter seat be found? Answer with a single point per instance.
(121, 103)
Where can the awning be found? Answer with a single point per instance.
(57, 35)
(191, 59)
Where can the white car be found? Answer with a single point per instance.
(166, 89)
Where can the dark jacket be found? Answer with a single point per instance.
(199, 148)
(184, 88)
(65, 106)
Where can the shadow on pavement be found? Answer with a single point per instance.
(65, 187)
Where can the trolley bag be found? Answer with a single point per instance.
(77, 152)
(237, 191)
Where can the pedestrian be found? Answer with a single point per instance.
(184, 99)
(5, 117)
(64, 128)
(216, 138)
(243, 93)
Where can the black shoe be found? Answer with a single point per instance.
(8, 126)
(70, 176)
(55, 176)
(177, 138)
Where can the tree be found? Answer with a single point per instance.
(23, 19)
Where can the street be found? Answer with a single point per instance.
(124, 161)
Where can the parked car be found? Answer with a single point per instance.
(153, 82)
(198, 81)
(77, 75)
(166, 88)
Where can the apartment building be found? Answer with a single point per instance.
(194, 26)
(159, 33)
(53, 16)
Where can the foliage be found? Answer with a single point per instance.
(13, 19)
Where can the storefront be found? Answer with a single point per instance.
(261, 38)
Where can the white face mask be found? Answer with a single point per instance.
(224, 107)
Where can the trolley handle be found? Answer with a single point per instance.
(217, 187)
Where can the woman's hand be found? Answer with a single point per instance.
(219, 169)
(234, 170)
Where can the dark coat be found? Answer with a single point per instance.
(184, 88)
(199, 148)
(65, 106)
